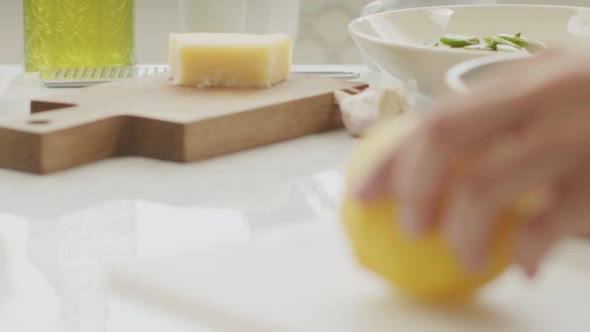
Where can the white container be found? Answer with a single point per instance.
(241, 16)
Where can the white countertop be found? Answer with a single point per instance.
(55, 231)
(58, 232)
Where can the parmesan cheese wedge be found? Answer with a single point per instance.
(229, 60)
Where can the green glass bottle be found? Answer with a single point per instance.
(78, 33)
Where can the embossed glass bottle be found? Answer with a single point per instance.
(78, 33)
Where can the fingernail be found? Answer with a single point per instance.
(528, 257)
(531, 271)
(476, 263)
(473, 257)
(527, 264)
(409, 223)
(474, 260)
(365, 190)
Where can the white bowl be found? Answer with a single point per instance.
(395, 40)
(463, 77)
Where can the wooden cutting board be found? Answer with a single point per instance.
(151, 118)
(304, 279)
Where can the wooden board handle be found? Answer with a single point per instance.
(152, 118)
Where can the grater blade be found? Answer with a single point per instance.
(83, 77)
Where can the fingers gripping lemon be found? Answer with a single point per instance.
(425, 268)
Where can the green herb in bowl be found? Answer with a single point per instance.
(501, 43)
(459, 40)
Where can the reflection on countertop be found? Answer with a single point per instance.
(72, 252)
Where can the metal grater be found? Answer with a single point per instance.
(83, 77)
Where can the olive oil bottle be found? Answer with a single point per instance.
(78, 33)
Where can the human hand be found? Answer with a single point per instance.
(527, 129)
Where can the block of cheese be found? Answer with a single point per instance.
(229, 60)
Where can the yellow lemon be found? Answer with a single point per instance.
(425, 267)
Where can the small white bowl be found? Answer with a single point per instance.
(395, 40)
(462, 77)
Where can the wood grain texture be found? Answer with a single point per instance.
(152, 118)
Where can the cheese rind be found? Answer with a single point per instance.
(229, 60)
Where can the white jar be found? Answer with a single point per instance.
(241, 16)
